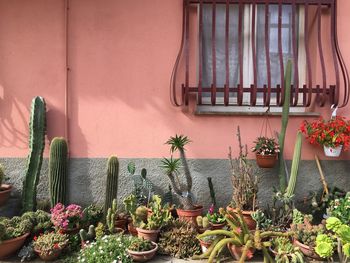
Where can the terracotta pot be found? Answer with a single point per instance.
(190, 215)
(8, 247)
(132, 230)
(217, 226)
(307, 250)
(266, 161)
(236, 252)
(204, 245)
(144, 255)
(50, 257)
(247, 217)
(151, 235)
(120, 223)
(5, 191)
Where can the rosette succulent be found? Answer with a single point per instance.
(324, 246)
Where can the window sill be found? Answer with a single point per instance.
(250, 111)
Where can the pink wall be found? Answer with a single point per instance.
(121, 54)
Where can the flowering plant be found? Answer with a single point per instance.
(66, 217)
(340, 208)
(332, 133)
(266, 146)
(214, 217)
(50, 243)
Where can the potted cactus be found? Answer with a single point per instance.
(189, 210)
(244, 183)
(142, 250)
(149, 227)
(49, 246)
(5, 189)
(13, 233)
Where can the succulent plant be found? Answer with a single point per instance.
(177, 240)
(100, 230)
(112, 183)
(140, 245)
(286, 252)
(87, 235)
(202, 222)
(262, 221)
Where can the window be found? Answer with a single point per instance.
(243, 47)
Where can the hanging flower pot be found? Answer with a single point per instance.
(332, 151)
(266, 150)
(333, 134)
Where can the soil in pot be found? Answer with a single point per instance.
(190, 215)
(266, 161)
(144, 255)
(151, 235)
(9, 247)
(5, 191)
(247, 216)
(307, 250)
(236, 252)
(51, 257)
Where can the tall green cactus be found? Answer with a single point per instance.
(58, 171)
(285, 118)
(37, 128)
(212, 191)
(112, 182)
(295, 166)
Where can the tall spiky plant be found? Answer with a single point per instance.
(172, 166)
(37, 128)
(212, 191)
(112, 183)
(285, 117)
(295, 166)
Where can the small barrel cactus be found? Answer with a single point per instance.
(87, 236)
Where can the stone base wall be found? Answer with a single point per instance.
(87, 178)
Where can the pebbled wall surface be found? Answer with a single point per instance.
(87, 178)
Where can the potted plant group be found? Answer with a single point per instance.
(67, 219)
(284, 251)
(189, 209)
(5, 189)
(142, 250)
(13, 233)
(266, 150)
(244, 183)
(333, 134)
(49, 246)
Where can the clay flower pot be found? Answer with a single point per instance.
(5, 191)
(190, 215)
(8, 247)
(236, 252)
(204, 245)
(247, 217)
(217, 226)
(132, 229)
(332, 152)
(51, 257)
(151, 235)
(144, 255)
(307, 250)
(266, 161)
(120, 223)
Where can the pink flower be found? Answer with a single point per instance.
(211, 209)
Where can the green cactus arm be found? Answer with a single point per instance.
(276, 234)
(267, 255)
(295, 166)
(285, 118)
(219, 232)
(212, 191)
(247, 246)
(219, 245)
(37, 128)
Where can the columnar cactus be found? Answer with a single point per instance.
(285, 118)
(295, 166)
(112, 182)
(58, 171)
(37, 128)
(111, 216)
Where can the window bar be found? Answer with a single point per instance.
(280, 96)
(200, 73)
(320, 49)
(253, 91)
(240, 48)
(213, 86)
(187, 50)
(335, 97)
(267, 53)
(340, 58)
(295, 56)
(227, 63)
(307, 53)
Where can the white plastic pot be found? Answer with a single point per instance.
(332, 152)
